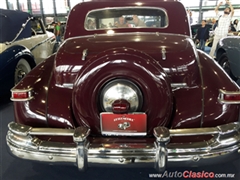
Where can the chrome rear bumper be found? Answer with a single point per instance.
(225, 144)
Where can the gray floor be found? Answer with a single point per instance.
(16, 169)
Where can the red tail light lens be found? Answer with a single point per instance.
(232, 97)
(21, 95)
(229, 97)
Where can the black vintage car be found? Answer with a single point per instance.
(228, 56)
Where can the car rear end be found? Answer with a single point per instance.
(139, 98)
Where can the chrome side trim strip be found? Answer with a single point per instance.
(24, 130)
(193, 132)
(229, 92)
(51, 132)
(21, 90)
(120, 34)
(179, 85)
(68, 85)
(199, 60)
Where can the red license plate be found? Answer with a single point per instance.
(124, 124)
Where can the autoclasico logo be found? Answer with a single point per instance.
(191, 174)
(203, 174)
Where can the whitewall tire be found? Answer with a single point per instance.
(22, 69)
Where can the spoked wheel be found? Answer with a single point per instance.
(224, 62)
(22, 69)
(226, 67)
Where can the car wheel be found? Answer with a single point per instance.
(22, 69)
(224, 63)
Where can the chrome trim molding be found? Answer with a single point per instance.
(68, 85)
(224, 92)
(80, 134)
(199, 60)
(24, 130)
(84, 54)
(179, 85)
(162, 135)
(164, 53)
(158, 152)
(21, 90)
(120, 34)
(229, 92)
(29, 91)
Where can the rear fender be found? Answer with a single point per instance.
(33, 112)
(214, 79)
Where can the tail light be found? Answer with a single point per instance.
(21, 94)
(229, 97)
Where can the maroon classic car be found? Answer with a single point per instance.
(127, 87)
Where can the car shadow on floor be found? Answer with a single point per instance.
(4, 100)
(31, 170)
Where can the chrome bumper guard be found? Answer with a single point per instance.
(224, 144)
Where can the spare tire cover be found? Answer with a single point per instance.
(122, 63)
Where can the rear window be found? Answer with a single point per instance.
(126, 18)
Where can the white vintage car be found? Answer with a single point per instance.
(24, 43)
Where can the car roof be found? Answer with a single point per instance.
(11, 23)
(12, 14)
(77, 16)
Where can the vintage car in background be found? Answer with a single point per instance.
(127, 95)
(228, 56)
(24, 43)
